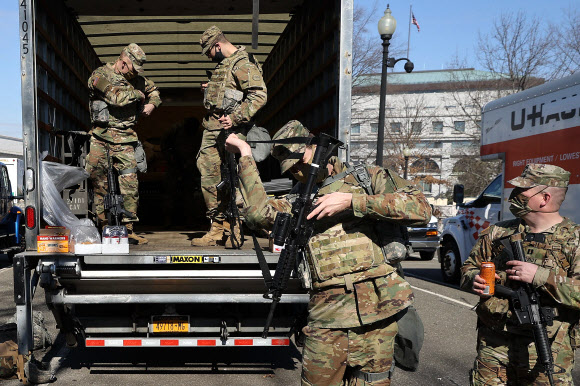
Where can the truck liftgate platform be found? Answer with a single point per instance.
(173, 298)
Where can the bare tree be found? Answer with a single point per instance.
(475, 174)
(368, 50)
(566, 39)
(516, 48)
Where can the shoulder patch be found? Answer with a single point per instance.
(95, 81)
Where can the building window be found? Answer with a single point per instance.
(374, 127)
(425, 187)
(437, 145)
(437, 127)
(355, 129)
(457, 144)
(478, 124)
(459, 125)
(354, 146)
(416, 127)
(396, 127)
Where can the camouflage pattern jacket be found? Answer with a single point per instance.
(237, 72)
(376, 297)
(557, 277)
(123, 101)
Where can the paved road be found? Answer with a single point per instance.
(446, 357)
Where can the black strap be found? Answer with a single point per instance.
(263, 264)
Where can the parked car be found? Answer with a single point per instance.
(11, 224)
(425, 240)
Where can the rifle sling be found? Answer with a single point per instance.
(127, 171)
(262, 261)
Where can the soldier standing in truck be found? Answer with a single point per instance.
(232, 97)
(119, 94)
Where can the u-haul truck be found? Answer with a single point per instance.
(538, 125)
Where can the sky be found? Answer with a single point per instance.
(449, 28)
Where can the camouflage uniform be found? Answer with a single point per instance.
(115, 132)
(351, 321)
(506, 353)
(240, 72)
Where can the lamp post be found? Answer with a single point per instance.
(406, 154)
(387, 26)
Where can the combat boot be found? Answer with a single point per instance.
(214, 236)
(229, 243)
(134, 238)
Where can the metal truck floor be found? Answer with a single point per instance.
(180, 240)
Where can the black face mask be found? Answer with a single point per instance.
(218, 56)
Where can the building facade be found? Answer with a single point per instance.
(436, 115)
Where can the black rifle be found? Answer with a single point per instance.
(113, 200)
(525, 302)
(293, 230)
(230, 182)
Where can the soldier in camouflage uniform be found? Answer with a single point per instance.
(119, 94)
(232, 97)
(357, 294)
(506, 352)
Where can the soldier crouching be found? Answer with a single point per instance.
(357, 293)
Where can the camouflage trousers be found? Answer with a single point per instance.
(123, 159)
(209, 161)
(505, 358)
(333, 356)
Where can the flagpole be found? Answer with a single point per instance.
(409, 36)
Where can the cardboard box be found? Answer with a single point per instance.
(88, 249)
(54, 240)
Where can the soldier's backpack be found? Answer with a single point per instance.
(8, 351)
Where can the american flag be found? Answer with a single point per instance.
(414, 21)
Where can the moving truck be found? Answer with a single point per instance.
(538, 125)
(166, 293)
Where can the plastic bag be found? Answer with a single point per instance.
(54, 178)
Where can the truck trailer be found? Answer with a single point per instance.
(166, 293)
(537, 125)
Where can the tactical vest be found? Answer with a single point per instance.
(353, 250)
(221, 94)
(545, 250)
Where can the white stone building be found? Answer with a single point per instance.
(436, 114)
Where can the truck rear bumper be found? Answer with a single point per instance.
(187, 342)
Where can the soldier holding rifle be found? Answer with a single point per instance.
(357, 293)
(232, 97)
(511, 349)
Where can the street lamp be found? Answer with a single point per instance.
(387, 26)
(406, 154)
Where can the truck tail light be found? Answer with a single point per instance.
(30, 217)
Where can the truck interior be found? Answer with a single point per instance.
(295, 41)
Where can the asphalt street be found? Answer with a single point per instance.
(446, 357)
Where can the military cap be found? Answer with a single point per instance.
(289, 154)
(542, 174)
(209, 38)
(137, 56)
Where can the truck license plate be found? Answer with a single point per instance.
(161, 324)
